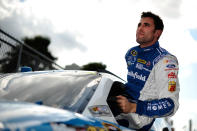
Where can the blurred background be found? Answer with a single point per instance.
(65, 34)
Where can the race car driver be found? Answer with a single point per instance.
(152, 79)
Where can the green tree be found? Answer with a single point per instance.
(9, 61)
(29, 57)
(94, 66)
(40, 44)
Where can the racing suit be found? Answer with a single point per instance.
(152, 83)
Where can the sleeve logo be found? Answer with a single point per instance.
(171, 66)
(171, 86)
(172, 75)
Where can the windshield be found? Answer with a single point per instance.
(58, 89)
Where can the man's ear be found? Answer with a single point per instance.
(158, 33)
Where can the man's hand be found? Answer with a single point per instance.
(125, 105)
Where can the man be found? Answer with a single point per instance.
(153, 85)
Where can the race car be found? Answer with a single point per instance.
(89, 93)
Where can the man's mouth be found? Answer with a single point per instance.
(140, 34)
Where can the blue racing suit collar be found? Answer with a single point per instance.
(149, 48)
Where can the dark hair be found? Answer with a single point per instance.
(157, 20)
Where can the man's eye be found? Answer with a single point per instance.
(146, 24)
(139, 25)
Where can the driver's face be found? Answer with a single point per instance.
(146, 34)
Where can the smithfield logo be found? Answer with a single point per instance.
(137, 76)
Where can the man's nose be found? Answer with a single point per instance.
(140, 27)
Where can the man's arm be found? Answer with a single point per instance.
(166, 83)
(125, 105)
(155, 108)
(159, 108)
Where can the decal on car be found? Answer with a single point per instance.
(100, 110)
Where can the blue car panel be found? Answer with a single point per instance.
(27, 116)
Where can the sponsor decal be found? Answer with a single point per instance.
(110, 127)
(169, 61)
(92, 128)
(172, 75)
(171, 69)
(148, 63)
(165, 61)
(137, 76)
(158, 106)
(171, 86)
(171, 66)
(141, 61)
(99, 110)
(141, 67)
(129, 63)
(131, 60)
(133, 52)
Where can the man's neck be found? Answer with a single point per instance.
(144, 45)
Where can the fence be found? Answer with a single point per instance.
(12, 52)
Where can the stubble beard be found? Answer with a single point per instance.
(143, 41)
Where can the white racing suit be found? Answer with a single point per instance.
(152, 83)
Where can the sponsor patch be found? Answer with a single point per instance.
(169, 61)
(110, 127)
(159, 106)
(141, 67)
(131, 60)
(171, 86)
(171, 66)
(165, 61)
(92, 128)
(171, 69)
(141, 61)
(129, 63)
(133, 52)
(172, 75)
(148, 63)
(137, 76)
(99, 110)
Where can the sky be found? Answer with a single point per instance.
(83, 31)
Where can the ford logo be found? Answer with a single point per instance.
(171, 66)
